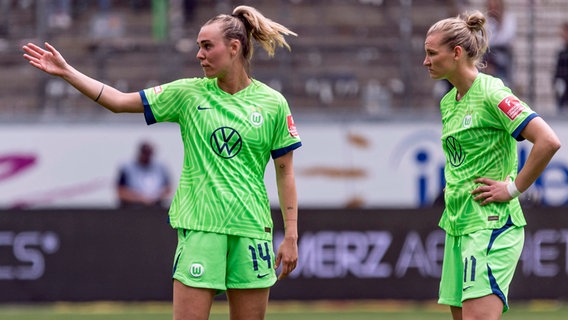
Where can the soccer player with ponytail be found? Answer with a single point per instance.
(231, 125)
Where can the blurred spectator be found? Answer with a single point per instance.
(143, 182)
(561, 74)
(502, 26)
(106, 24)
(189, 7)
(455, 7)
(60, 14)
(105, 6)
(4, 23)
(4, 17)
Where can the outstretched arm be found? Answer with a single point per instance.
(52, 62)
(545, 144)
(287, 254)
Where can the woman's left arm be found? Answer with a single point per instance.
(545, 144)
(287, 254)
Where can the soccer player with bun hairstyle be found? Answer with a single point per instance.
(482, 120)
(231, 124)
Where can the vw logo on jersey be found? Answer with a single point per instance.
(226, 142)
(256, 119)
(455, 151)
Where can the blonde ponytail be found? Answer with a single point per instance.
(267, 33)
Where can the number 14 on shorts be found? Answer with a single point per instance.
(261, 251)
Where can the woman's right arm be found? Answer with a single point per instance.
(51, 61)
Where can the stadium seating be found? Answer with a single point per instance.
(351, 56)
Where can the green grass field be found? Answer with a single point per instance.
(328, 310)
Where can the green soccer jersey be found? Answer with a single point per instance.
(479, 138)
(228, 140)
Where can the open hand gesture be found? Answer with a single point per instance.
(49, 60)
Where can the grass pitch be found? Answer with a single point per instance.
(297, 310)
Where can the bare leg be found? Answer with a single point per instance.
(485, 308)
(456, 313)
(248, 304)
(192, 303)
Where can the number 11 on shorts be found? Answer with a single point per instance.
(466, 267)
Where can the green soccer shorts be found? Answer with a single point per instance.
(480, 264)
(220, 261)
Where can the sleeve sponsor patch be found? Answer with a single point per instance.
(158, 89)
(511, 106)
(291, 126)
